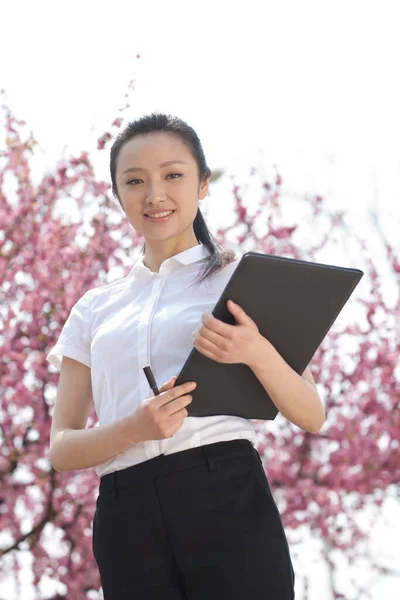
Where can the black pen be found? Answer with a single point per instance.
(150, 378)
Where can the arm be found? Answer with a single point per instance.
(72, 446)
(74, 449)
(294, 395)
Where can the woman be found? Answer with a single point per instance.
(184, 509)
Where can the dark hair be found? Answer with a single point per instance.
(159, 122)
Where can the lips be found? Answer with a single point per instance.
(158, 212)
(160, 219)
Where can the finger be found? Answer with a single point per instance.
(167, 384)
(209, 353)
(173, 393)
(205, 345)
(179, 404)
(218, 326)
(214, 338)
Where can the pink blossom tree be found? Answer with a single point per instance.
(320, 481)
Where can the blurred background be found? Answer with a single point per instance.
(308, 89)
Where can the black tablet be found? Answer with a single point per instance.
(294, 304)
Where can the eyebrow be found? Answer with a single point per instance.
(164, 164)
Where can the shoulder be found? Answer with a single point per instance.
(96, 297)
(108, 289)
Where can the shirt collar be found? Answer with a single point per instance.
(186, 257)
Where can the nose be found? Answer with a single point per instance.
(155, 192)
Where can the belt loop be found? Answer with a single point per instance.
(210, 463)
(115, 491)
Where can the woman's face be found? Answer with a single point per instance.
(145, 184)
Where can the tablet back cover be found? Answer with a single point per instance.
(294, 304)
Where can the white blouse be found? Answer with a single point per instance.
(144, 319)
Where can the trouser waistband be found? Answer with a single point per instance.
(164, 464)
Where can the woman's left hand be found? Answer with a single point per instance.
(226, 343)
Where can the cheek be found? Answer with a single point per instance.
(132, 203)
(134, 216)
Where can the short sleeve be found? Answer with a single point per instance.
(75, 338)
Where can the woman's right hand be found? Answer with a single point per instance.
(159, 417)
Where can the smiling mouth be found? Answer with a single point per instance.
(159, 219)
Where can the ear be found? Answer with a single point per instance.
(203, 189)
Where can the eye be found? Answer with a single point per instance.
(132, 180)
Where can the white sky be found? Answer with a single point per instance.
(309, 86)
(312, 84)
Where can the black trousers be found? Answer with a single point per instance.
(194, 525)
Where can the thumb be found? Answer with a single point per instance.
(239, 314)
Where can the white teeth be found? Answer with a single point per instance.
(156, 216)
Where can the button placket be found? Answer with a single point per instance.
(144, 349)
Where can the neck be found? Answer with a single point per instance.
(154, 257)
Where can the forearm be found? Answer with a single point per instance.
(74, 449)
(295, 397)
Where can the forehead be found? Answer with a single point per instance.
(148, 151)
